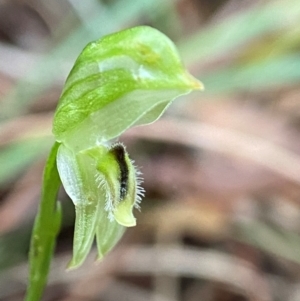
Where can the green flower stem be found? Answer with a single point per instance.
(46, 227)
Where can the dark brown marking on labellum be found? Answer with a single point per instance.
(118, 151)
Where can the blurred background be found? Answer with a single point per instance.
(221, 216)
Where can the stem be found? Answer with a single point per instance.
(45, 230)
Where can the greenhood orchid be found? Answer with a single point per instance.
(122, 80)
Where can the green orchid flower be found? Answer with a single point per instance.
(122, 80)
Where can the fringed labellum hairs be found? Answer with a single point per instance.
(125, 79)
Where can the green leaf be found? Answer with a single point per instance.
(15, 157)
(273, 72)
(239, 29)
(269, 238)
